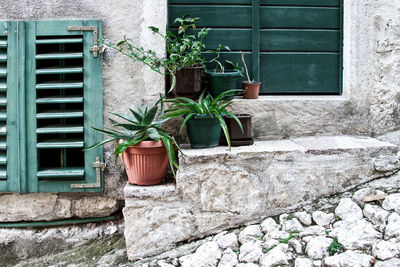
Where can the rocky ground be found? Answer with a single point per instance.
(356, 228)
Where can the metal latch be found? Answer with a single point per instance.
(96, 49)
(99, 166)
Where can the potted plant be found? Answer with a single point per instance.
(251, 88)
(184, 62)
(237, 136)
(144, 147)
(221, 79)
(203, 118)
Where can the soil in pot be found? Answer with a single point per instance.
(237, 137)
(218, 83)
(203, 131)
(188, 82)
(251, 90)
(146, 163)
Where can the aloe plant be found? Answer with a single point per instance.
(143, 124)
(214, 107)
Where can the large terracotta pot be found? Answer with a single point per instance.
(146, 163)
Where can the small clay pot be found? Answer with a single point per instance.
(146, 163)
(235, 133)
(251, 90)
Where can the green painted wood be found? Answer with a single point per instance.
(3, 101)
(65, 143)
(300, 40)
(341, 47)
(3, 43)
(294, 73)
(59, 129)
(3, 116)
(255, 57)
(3, 130)
(3, 145)
(211, 16)
(10, 144)
(57, 27)
(59, 56)
(3, 174)
(300, 17)
(57, 85)
(59, 99)
(93, 106)
(61, 173)
(236, 39)
(3, 58)
(328, 3)
(59, 114)
(3, 72)
(218, 2)
(59, 70)
(3, 159)
(60, 41)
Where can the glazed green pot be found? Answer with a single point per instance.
(218, 83)
(203, 131)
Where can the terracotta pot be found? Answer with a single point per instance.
(146, 163)
(251, 90)
(188, 82)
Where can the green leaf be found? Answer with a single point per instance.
(154, 29)
(236, 119)
(149, 115)
(153, 134)
(105, 141)
(185, 121)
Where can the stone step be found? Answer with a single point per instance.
(218, 189)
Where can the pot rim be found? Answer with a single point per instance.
(226, 73)
(252, 82)
(148, 143)
(240, 115)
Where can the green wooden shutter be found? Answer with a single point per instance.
(292, 46)
(56, 91)
(10, 173)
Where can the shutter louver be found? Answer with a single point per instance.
(59, 89)
(3, 107)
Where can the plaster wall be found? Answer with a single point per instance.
(369, 104)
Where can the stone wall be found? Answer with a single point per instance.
(217, 190)
(369, 104)
(125, 84)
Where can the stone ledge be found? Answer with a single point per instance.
(218, 189)
(155, 191)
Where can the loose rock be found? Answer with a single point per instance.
(386, 249)
(347, 210)
(207, 255)
(229, 259)
(303, 262)
(269, 225)
(251, 232)
(318, 247)
(376, 215)
(228, 241)
(393, 226)
(321, 218)
(275, 256)
(392, 202)
(348, 259)
(251, 251)
(303, 217)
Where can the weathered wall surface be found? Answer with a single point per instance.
(125, 84)
(369, 104)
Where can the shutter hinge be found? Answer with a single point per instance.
(95, 49)
(100, 166)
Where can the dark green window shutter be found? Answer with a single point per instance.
(292, 46)
(59, 99)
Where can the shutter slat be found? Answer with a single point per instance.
(57, 100)
(64, 143)
(59, 129)
(3, 116)
(3, 145)
(3, 159)
(60, 41)
(3, 72)
(3, 174)
(59, 115)
(58, 56)
(3, 43)
(3, 86)
(3, 101)
(63, 85)
(3, 130)
(3, 58)
(61, 173)
(70, 70)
